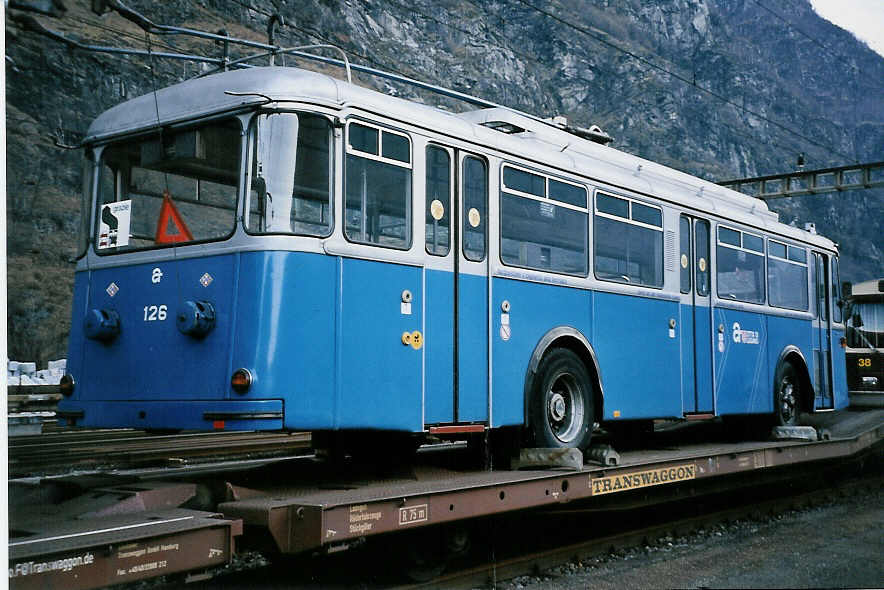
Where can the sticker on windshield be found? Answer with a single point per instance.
(113, 225)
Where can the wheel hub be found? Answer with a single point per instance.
(557, 407)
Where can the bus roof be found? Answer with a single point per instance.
(240, 89)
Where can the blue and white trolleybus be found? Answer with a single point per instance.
(273, 248)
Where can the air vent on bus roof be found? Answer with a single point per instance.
(503, 127)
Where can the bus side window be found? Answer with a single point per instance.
(540, 228)
(703, 261)
(684, 238)
(786, 276)
(836, 291)
(377, 187)
(438, 196)
(475, 198)
(628, 243)
(821, 303)
(739, 264)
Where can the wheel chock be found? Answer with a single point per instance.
(795, 432)
(604, 454)
(536, 458)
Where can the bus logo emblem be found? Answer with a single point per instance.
(741, 336)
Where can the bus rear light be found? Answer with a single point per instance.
(66, 385)
(241, 380)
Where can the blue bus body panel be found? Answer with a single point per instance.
(322, 336)
(839, 362)
(703, 364)
(150, 359)
(439, 347)
(472, 348)
(686, 329)
(695, 339)
(639, 360)
(76, 361)
(535, 309)
(782, 332)
(380, 378)
(743, 379)
(285, 333)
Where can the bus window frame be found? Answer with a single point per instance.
(787, 260)
(250, 155)
(409, 202)
(146, 135)
(628, 220)
(463, 212)
(837, 297)
(763, 255)
(452, 179)
(502, 188)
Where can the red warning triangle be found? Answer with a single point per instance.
(170, 226)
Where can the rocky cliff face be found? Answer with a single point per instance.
(718, 88)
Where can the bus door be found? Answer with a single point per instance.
(822, 328)
(456, 364)
(696, 316)
(471, 291)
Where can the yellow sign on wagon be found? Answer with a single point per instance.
(642, 479)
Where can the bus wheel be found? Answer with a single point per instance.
(787, 397)
(560, 410)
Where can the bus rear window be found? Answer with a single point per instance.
(170, 189)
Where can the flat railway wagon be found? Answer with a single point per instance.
(274, 248)
(102, 529)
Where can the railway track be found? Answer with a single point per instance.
(75, 450)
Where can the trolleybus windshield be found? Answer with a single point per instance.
(171, 188)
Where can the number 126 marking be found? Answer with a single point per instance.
(153, 313)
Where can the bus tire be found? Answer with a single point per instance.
(787, 396)
(561, 404)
